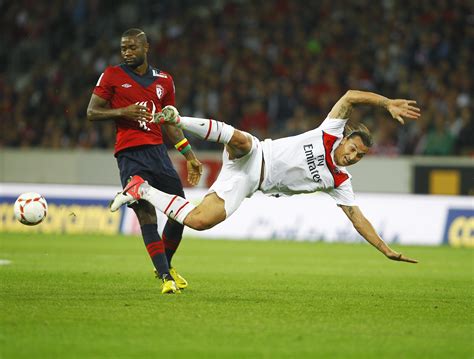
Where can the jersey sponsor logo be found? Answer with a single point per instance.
(313, 162)
(160, 91)
(126, 85)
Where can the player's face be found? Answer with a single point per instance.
(133, 51)
(350, 151)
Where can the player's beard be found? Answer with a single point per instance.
(138, 62)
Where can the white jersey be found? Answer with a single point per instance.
(305, 164)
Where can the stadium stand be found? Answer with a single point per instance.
(274, 68)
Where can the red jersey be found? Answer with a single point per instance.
(122, 87)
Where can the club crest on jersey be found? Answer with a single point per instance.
(126, 86)
(160, 91)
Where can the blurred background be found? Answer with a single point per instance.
(274, 68)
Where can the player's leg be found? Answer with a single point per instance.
(162, 175)
(154, 244)
(238, 143)
(172, 236)
(166, 179)
(239, 178)
(208, 214)
(169, 182)
(130, 163)
(146, 215)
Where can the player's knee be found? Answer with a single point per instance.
(241, 141)
(239, 145)
(201, 224)
(199, 221)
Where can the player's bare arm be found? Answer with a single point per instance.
(398, 109)
(99, 110)
(366, 230)
(193, 165)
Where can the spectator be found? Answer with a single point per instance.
(285, 52)
(439, 141)
(255, 119)
(465, 139)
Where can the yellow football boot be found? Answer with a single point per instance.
(180, 281)
(169, 287)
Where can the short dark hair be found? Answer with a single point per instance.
(363, 132)
(134, 32)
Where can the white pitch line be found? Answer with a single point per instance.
(5, 262)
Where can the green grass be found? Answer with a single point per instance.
(96, 297)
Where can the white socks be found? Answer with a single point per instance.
(174, 206)
(208, 130)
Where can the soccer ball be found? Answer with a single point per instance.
(30, 208)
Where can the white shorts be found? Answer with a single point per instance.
(239, 178)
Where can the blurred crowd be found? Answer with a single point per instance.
(274, 68)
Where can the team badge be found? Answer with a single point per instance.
(160, 91)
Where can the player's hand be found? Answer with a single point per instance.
(136, 113)
(400, 109)
(194, 171)
(394, 256)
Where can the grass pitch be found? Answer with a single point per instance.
(96, 297)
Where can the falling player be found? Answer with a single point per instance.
(130, 94)
(313, 161)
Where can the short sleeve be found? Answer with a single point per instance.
(104, 87)
(333, 126)
(344, 194)
(169, 99)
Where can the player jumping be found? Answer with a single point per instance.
(313, 161)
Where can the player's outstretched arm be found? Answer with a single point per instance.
(366, 230)
(99, 110)
(399, 109)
